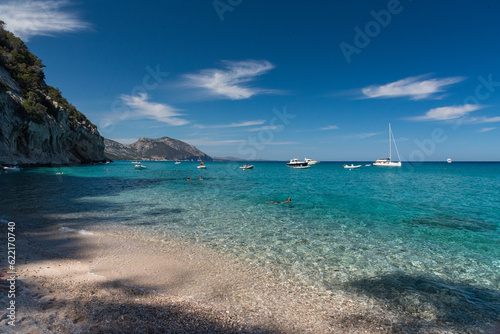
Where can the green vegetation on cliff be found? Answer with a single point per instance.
(27, 70)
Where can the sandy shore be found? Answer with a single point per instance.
(71, 282)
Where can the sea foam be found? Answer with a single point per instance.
(72, 230)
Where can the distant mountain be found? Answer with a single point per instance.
(154, 149)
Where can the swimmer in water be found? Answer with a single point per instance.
(289, 200)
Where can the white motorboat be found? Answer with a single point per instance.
(12, 168)
(202, 165)
(301, 167)
(388, 162)
(368, 165)
(311, 162)
(177, 162)
(139, 166)
(352, 166)
(296, 162)
(246, 166)
(449, 160)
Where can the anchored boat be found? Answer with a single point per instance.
(296, 162)
(388, 162)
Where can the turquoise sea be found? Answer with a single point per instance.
(423, 236)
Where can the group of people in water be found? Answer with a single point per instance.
(189, 179)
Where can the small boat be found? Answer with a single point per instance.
(140, 166)
(202, 165)
(388, 162)
(246, 166)
(449, 160)
(311, 162)
(177, 162)
(296, 162)
(135, 162)
(12, 169)
(352, 166)
(301, 167)
(368, 165)
(59, 173)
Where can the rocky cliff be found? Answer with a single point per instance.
(157, 149)
(37, 125)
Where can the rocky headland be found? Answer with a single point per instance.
(37, 125)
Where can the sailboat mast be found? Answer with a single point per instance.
(390, 146)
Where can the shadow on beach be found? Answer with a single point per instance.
(169, 317)
(431, 302)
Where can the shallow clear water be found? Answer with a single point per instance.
(421, 228)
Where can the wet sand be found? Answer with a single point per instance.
(76, 283)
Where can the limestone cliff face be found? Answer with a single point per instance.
(50, 140)
(157, 149)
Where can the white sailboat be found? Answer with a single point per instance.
(388, 162)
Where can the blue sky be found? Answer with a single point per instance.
(281, 79)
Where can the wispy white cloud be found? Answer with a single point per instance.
(330, 127)
(486, 119)
(367, 135)
(232, 81)
(266, 127)
(361, 135)
(283, 143)
(486, 129)
(230, 142)
(141, 108)
(447, 113)
(126, 141)
(26, 19)
(209, 142)
(231, 125)
(415, 88)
